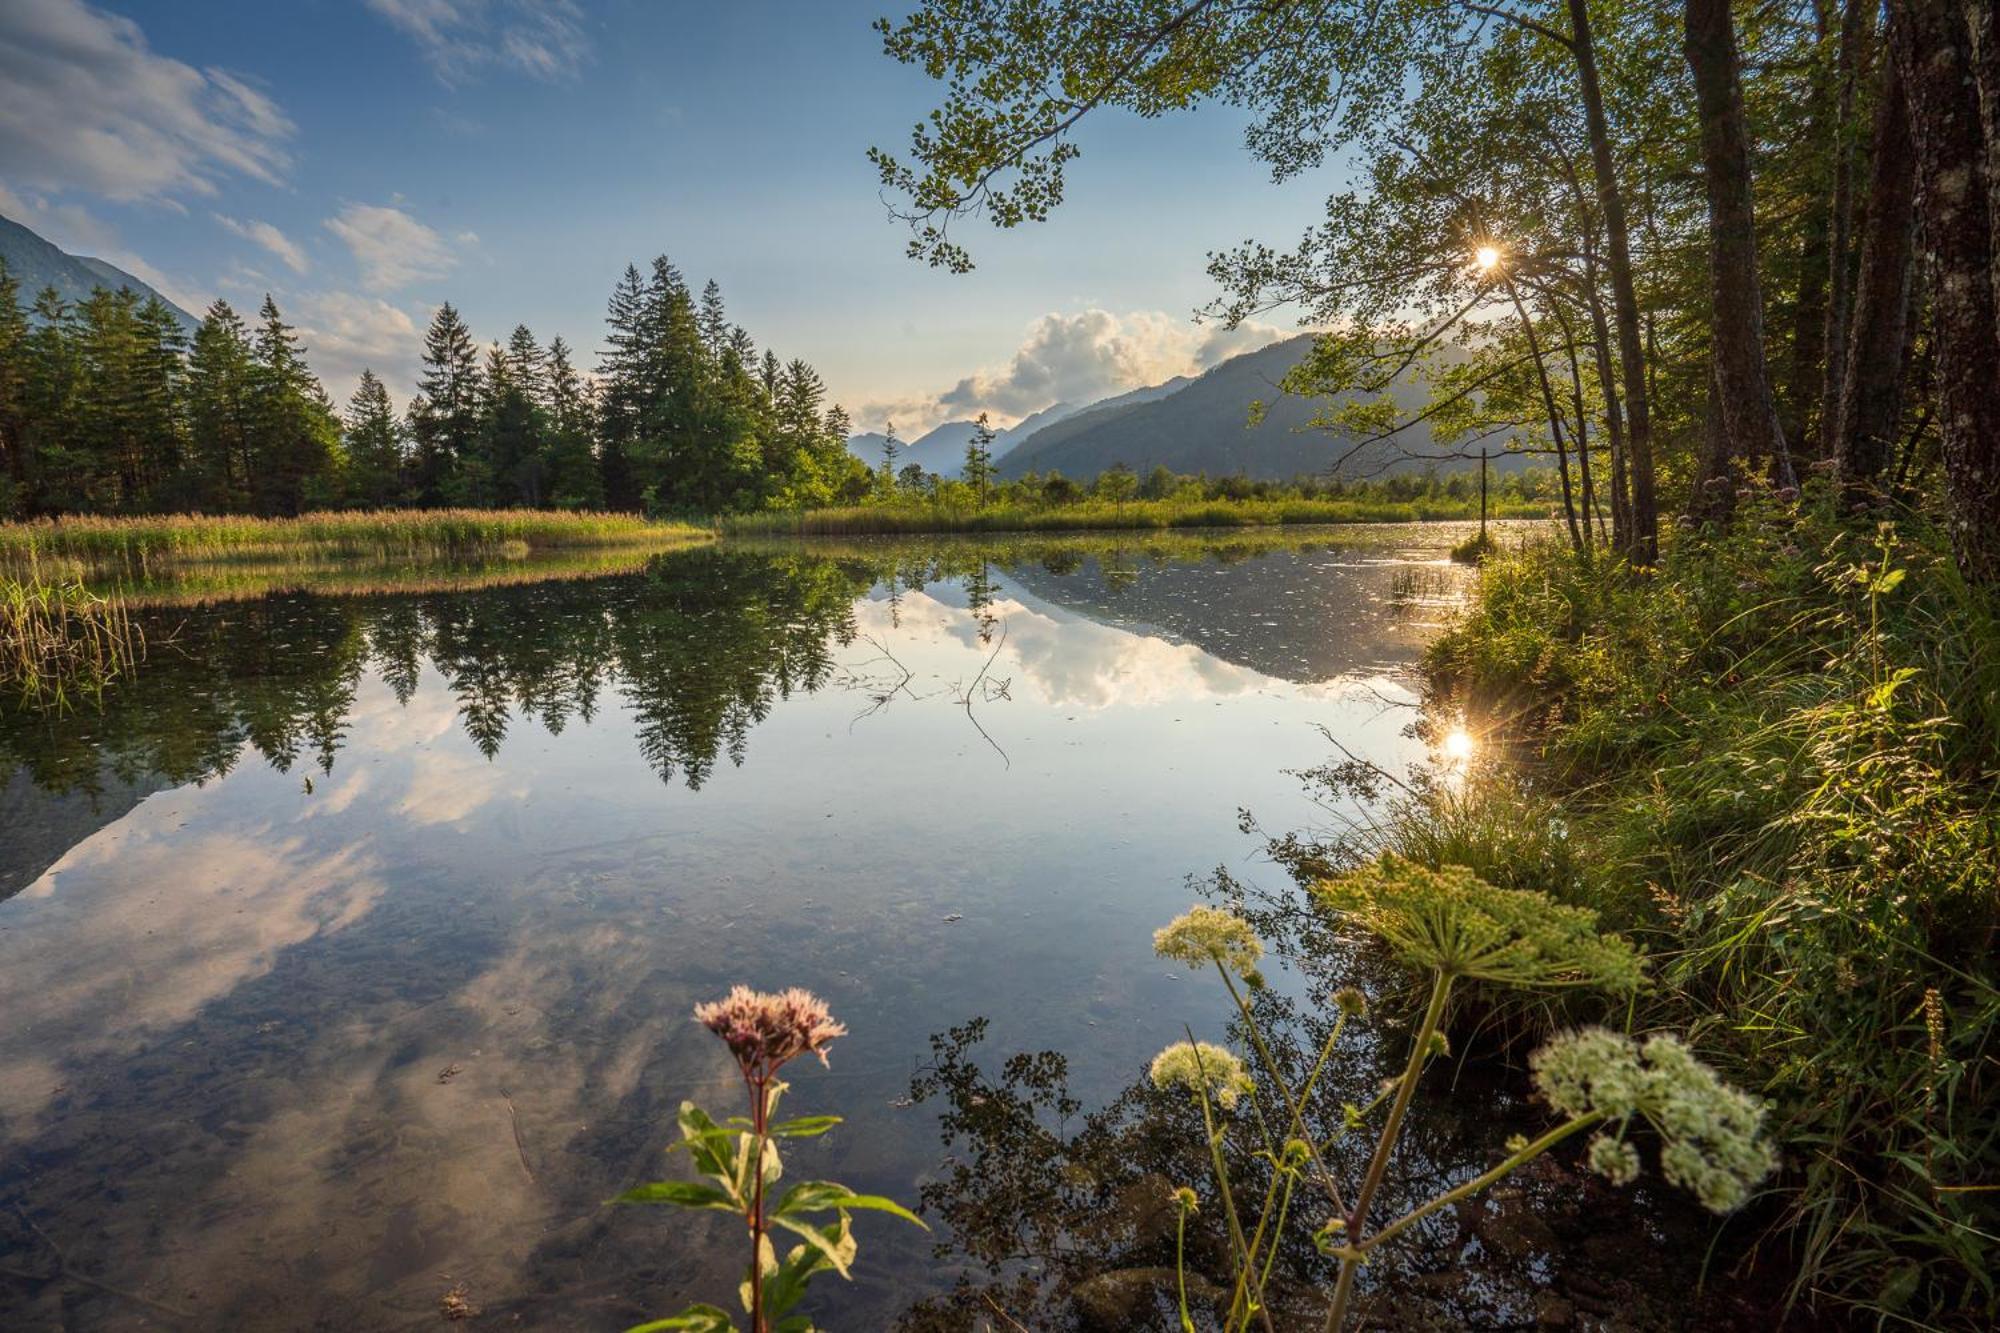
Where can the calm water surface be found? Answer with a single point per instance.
(347, 954)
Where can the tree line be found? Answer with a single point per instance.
(1690, 247)
(108, 406)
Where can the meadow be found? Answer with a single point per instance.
(139, 546)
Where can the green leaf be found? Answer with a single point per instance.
(1886, 583)
(705, 1141)
(681, 1194)
(804, 1127)
(818, 1196)
(834, 1241)
(698, 1318)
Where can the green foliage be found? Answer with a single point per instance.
(1776, 758)
(1452, 927)
(740, 1161)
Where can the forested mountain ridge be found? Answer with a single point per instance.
(37, 262)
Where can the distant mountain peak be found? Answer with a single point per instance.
(37, 262)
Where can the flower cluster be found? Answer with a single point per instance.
(1203, 935)
(1201, 1068)
(1712, 1135)
(763, 1031)
(1453, 922)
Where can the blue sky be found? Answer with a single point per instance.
(365, 160)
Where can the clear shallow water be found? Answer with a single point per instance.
(348, 953)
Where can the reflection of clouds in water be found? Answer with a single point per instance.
(147, 924)
(445, 787)
(1068, 662)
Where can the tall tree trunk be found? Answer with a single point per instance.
(1645, 534)
(1548, 405)
(1941, 63)
(1804, 376)
(1855, 26)
(1870, 407)
(1749, 415)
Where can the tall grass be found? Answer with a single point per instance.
(59, 641)
(1106, 514)
(140, 545)
(1776, 759)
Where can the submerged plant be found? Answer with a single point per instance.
(739, 1158)
(1456, 927)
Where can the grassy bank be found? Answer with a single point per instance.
(139, 546)
(912, 518)
(1774, 760)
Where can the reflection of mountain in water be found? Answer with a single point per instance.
(1301, 615)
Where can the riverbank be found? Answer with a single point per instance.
(138, 546)
(1773, 762)
(1109, 515)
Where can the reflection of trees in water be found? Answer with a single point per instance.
(1058, 1217)
(700, 645)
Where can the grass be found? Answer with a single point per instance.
(59, 640)
(137, 547)
(911, 518)
(1775, 760)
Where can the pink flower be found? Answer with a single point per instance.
(764, 1031)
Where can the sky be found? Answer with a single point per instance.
(366, 160)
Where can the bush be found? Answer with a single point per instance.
(1775, 756)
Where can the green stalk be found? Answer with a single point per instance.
(1478, 1183)
(1343, 1292)
(1271, 1072)
(1228, 1195)
(1180, 1269)
(1270, 1259)
(1247, 1281)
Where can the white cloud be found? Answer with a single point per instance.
(1076, 358)
(392, 248)
(268, 236)
(86, 104)
(543, 39)
(345, 334)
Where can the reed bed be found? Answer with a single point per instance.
(863, 520)
(60, 640)
(137, 546)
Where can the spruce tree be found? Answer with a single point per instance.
(446, 416)
(374, 436)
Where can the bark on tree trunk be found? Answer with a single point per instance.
(1749, 416)
(1855, 26)
(1870, 407)
(1941, 49)
(1645, 536)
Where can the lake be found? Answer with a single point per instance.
(348, 950)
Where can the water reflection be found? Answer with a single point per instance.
(351, 945)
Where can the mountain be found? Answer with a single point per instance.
(1004, 442)
(1202, 425)
(36, 264)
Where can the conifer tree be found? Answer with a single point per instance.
(375, 459)
(445, 418)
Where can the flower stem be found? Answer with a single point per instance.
(1378, 1165)
(1271, 1071)
(1478, 1183)
(759, 1115)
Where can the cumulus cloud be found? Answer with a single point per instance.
(543, 39)
(268, 236)
(345, 334)
(86, 104)
(392, 248)
(1077, 359)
